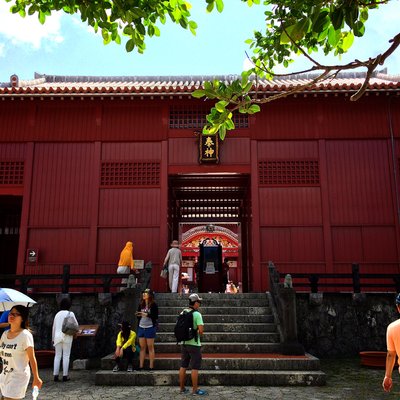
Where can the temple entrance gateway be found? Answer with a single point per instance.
(211, 209)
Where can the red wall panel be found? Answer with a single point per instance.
(61, 184)
(379, 244)
(132, 120)
(347, 244)
(60, 245)
(130, 151)
(65, 120)
(183, 151)
(307, 244)
(287, 150)
(129, 207)
(296, 245)
(317, 117)
(12, 151)
(359, 182)
(290, 206)
(275, 244)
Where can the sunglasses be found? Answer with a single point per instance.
(13, 314)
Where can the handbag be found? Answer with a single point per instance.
(69, 325)
(164, 272)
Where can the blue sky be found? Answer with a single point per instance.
(65, 46)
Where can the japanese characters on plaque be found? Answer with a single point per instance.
(209, 150)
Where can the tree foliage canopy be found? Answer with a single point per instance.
(293, 27)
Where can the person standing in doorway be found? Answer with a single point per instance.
(225, 275)
(393, 349)
(191, 349)
(174, 261)
(125, 263)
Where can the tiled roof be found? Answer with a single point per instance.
(159, 85)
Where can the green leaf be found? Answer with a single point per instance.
(322, 22)
(222, 131)
(220, 5)
(333, 36)
(337, 18)
(254, 108)
(199, 93)
(348, 40)
(220, 106)
(130, 45)
(42, 17)
(359, 29)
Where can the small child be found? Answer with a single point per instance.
(126, 347)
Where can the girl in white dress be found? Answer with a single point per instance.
(17, 352)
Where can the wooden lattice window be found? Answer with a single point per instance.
(289, 172)
(130, 174)
(11, 172)
(195, 118)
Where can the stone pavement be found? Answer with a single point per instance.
(346, 380)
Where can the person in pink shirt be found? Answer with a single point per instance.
(393, 349)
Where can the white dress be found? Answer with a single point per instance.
(16, 373)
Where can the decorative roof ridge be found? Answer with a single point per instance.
(133, 78)
(387, 77)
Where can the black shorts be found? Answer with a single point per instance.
(191, 355)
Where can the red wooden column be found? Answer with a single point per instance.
(256, 283)
(94, 216)
(26, 201)
(325, 205)
(158, 282)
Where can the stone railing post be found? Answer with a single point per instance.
(285, 302)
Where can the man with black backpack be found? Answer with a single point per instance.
(188, 329)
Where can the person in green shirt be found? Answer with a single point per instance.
(191, 349)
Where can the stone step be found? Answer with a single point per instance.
(211, 296)
(208, 319)
(230, 302)
(225, 327)
(205, 311)
(229, 362)
(239, 337)
(220, 347)
(213, 378)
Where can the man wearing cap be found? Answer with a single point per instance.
(191, 349)
(393, 349)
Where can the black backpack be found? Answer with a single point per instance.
(184, 327)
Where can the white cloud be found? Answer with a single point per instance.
(28, 30)
(2, 50)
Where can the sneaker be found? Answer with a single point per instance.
(184, 391)
(129, 369)
(116, 368)
(200, 392)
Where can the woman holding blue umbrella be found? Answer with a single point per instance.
(17, 352)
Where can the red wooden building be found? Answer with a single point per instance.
(87, 163)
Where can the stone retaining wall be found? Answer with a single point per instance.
(104, 310)
(334, 325)
(340, 324)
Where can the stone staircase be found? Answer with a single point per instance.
(240, 346)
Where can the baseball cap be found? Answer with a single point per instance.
(195, 297)
(398, 299)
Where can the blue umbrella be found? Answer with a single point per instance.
(10, 298)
